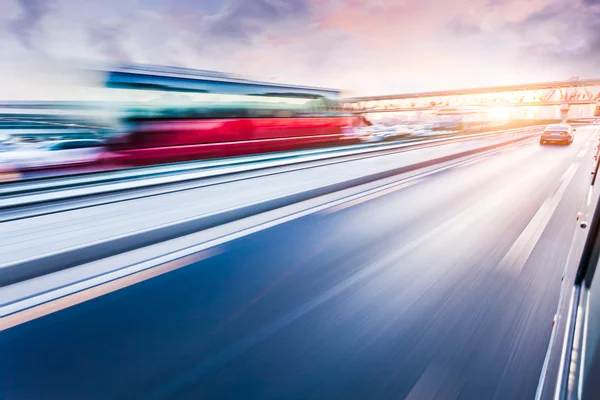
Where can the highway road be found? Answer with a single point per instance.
(52, 235)
(439, 288)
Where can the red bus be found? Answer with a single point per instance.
(179, 116)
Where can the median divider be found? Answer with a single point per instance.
(70, 257)
(20, 195)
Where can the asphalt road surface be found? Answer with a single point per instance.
(444, 288)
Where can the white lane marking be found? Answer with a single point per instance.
(471, 162)
(504, 149)
(519, 253)
(385, 189)
(371, 196)
(405, 183)
(583, 151)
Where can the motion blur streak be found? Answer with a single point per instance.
(99, 290)
(398, 296)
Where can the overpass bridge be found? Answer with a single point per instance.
(563, 94)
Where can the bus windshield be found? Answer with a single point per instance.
(155, 104)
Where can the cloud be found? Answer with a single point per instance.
(464, 26)
(243, 18)
(32, 12)
(377, 46)
(107, 39)
(565, 36)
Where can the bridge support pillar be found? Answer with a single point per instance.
(564, 112)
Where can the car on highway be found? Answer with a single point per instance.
(557, 133)
(382, 132)
(53, 154)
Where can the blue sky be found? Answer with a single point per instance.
(369, 47)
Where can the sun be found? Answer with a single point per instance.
(499, 113)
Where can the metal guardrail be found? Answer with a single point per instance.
(46, 190)
(29, 185)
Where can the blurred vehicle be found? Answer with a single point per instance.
(224, 134)
(380, 132)
(373, 133)
(449, 120)
(6, 143)
(178, 123)
(404, 131)
(557, 133)
(53, 154)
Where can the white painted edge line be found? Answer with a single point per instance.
(584, 343)
(544, 372)
(406, 183)
(516, 257)
(563, 355)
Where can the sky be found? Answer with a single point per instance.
(361, 46)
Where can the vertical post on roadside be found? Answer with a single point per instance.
(596, 163)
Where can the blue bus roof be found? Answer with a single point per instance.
(187, 80)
